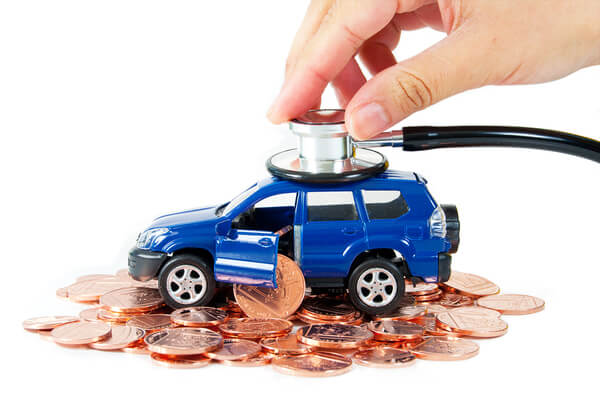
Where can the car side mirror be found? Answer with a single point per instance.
(223, 227)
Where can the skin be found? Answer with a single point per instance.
(488, 42)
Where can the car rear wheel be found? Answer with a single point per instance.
(186, 280)
(376, 286)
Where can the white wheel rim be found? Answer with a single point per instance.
(186, 284)
(376, 287)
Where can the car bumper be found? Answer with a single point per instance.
(444, 270)
(144, 264)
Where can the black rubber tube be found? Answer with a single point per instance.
(420, 138)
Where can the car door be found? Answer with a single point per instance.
(331, 233)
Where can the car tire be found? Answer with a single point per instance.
(185, 281)
(376, 286)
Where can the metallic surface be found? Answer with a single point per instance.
(93, 289)
(280, 302)
(121, 337)
(201, 316)
(235, 349)
(256, 328)
(183, 341)
(395, 330)
(455, 300)
(48, 322)
(180, 362)
(327, 309)
(473, 326)
(150, 322)
(286, 345)
(383, 356)
(376, 287)
(82, 332)
(420, 288)
(262, 359)
(189, 281)
(476, 311)
(407, 312)
(333, 335)
(318, 364)
(445, 348)
(512, 304)
(470, 284)
(131, 300)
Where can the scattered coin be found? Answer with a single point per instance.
(407, 312)
(183, 341)
(180, 362)
(286, 345)
(318, 364)
(89, 314)
(235, 349)
(476, 311)
(434, 296)
(473, 326)
(334, 335)
(137, 349)
(280, 302)
(435, 308)
(383, 356)
(455, 300)
(445, 348)
(256, 361)
(420, 288)
(47, 322)
(150, 322)
(93, 289)
(201, 316)
(471, 285)
(131, 300)
(429, 323)
(81, 332)
(255, 328)
(327, 309)
(120, 337)
(512, 304)
(395, 330)
(62, 293)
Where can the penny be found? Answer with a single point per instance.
(255, 328)
(131, 300)
(137, 349)
(435, 308)
(471, 284)
(201, 316)
(473, 326)
(287, 345)
(327, 309)
(429, 297)
(47, 322)
(183, 341)
(476, 311)
(333, 335)
(62, 293)
(150, 322)
(402, 313)
(81, 332)
(384, 357)
(395, 330)
(429, 323)
(280, 302)
(445, 348)
(455, 300)
(121, 337)
(92, 290)
(318, 364)
(112, 317)
(90, 314)
(355, 319)
(512, 304)
(420, 288)
(180, 362)
(259, 360)
(235, 349)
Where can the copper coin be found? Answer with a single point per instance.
(476, 311)
(92, 290)
(356, 319)
(318, 364)
(420, 288)
(327, 309)
(402, 313)
(471, 284)
(455, 300)
(183, 341)
(47, 322)
(280, 302)
(235, 349)
(435, 308)
(121, 337)
(259, 360)
(81, 332)
(62, 293)
(131, 300)
(112, 317)
(150, 322)
(512, 304)
(137, 349)
(333, 335)
(180, 362)
(256, 328)
(445, 348)
(90, 314)
(395, 330)
(384, 357)
(434, 296)
(201, 316)
(473, 326)
(286, 345)
(429, 323)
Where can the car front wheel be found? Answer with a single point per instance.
(376, 286)
(186, 280)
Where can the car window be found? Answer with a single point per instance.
(384, 204)
(277, 200)
(325, 206)
(239, 199)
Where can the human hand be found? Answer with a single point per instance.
(489, 42)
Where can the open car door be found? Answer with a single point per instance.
(247, 257)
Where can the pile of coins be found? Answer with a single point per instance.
(314, 335)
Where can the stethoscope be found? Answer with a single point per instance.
(326, 153)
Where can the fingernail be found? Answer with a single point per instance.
(368, 120)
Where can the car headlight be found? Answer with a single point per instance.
(437, 223)
(151, 237)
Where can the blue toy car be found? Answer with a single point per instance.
(365, 237)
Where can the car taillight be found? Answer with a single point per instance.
(437, 223)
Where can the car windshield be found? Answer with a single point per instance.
(227, 208)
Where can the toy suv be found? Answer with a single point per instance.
(365, 237)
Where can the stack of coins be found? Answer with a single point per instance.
(327, 337)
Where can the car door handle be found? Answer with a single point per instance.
(349, 231)
(265, 242)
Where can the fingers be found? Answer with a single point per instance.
(376, 53)
(347, 82)
(455, 64)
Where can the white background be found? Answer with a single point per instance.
(114, 112)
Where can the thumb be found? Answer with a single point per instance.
(453, 65)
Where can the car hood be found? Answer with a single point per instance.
(193, 216)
